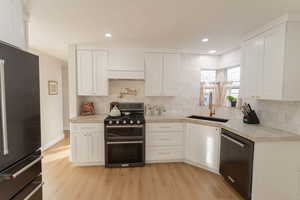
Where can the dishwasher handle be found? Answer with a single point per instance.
(242, 145)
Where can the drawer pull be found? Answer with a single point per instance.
(165, 139)
(164, 153)
(33, 191)
(231, 179)
(165, 127)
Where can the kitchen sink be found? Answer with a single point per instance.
(208, 118)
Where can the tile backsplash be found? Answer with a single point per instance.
(280, 115)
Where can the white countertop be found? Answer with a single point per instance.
(255, 133)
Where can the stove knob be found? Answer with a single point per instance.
(110, 122)
(138, 121)
(117, 122)
(131, 121)
(124, 122)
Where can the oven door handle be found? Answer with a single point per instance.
(125, 126)
(127, 142)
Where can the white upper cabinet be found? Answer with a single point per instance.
(273, 63)
(161, 74)
(270, 62)
(171, 74)
(126, 63)
(252, 67)
(12, 23)
(153, 74)
(91, 73)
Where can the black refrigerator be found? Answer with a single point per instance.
(20, 127)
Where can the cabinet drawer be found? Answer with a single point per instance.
(87, 127)
(164, 153)
(164, 127)
(165, 138)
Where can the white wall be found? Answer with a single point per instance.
(230, 59)
(51, 105)
(65, 92)
(12, 23)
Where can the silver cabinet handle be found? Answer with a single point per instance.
(33, 191)
(129, 142)
(231, 179)
(14, 175)
(126, 126)
(3, 108)
(233, 140)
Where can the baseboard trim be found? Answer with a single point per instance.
(53, 142)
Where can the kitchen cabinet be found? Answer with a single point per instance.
(164, 142)
(91, 73)
(161, 74)
(126, 63)
(252, 68)
(13, 23)
(270, 62)
(202, 146)
(87, 144)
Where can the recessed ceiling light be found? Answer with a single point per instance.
(108, 35)
(212, 51)
(205, 40)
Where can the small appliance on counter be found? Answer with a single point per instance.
(87, 108)
(250, 116)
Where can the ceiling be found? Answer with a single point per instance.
(148, 23)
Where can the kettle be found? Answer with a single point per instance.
(115, 112)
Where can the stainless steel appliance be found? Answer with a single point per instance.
(236, 164)
(20, 131)
(125, 137)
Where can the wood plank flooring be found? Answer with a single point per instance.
(175, 181)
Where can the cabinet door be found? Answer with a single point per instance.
(252, 69)
(100, 75)
(153, 74)
(194, 142)
(85, 73)
(96, 143)
(203, 145)
(80, 147)
(170, 74)
(274, 63)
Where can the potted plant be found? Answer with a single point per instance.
(232, 100)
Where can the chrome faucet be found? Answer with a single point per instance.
(210, 105)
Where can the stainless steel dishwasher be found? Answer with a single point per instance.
(236, 162)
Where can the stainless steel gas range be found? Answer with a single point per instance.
(125, 137)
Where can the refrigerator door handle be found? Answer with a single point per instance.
(3, 108)
(15, 174)
(34, 191)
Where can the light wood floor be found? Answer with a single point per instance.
(176, 181)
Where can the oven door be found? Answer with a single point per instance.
(124, 132)
(125, 153)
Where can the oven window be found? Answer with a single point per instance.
(118, 132)
(125, 153)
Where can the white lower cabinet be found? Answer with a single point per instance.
(87, 144)
(202, 146)
(164, 142)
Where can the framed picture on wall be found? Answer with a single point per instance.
(52, 87)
